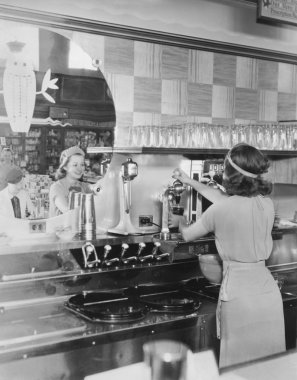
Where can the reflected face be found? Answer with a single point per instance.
(6, 157)
(14, 188)
(75, 167)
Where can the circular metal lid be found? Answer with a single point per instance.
(175, 303)
(107, 307)
(171, 298)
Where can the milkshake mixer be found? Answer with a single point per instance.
(129, 170)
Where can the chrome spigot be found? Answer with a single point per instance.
(106, 261)
(159, 256)
(156, 248)
(141, 257)
(141, 247)
(125, 247)
(89, 251)
(126, 260)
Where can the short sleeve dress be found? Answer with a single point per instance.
(250, 318)
(61, 188)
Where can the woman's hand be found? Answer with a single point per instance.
(180, 175)
(97, 187)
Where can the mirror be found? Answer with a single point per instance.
(70, 104)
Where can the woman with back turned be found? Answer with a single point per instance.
(250, 319)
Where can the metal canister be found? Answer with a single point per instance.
(129, 170)
(87, 217)
(74, 199)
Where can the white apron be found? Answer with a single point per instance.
(250, 319)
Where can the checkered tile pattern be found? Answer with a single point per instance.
(163, 85)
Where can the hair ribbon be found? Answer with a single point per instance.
(240, 170)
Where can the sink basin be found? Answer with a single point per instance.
(211, 267)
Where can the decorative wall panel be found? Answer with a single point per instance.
(200, 67)
(268, 75)
(286, 106)
(155, 84)
(246, 103)
(268, 106)
(287, 78)
(224, 70)
(147, 60)
(247, 73)
(147, 95)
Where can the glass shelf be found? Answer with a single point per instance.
(191, 152)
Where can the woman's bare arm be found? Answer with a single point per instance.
(210, 193)
(192, 232)
(61, 204)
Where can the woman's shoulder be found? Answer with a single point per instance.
(58, 185)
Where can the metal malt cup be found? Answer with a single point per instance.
(74, 202)
(166, 360)
(74, 199)
(87, 217)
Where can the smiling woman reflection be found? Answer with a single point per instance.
(68, 176)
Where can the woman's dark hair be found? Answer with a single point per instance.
(251, 160)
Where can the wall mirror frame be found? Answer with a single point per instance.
(70, 103)
(138, 94)
(60, 21)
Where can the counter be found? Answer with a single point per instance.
(203, 366)
(41, 339)
(91, 347)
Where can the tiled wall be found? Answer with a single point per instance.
(160, 84)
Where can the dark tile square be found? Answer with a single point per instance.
(267, 75)
(224, 70)
(199, 99)
(175, 63)
(246, 104)
(147, 95)
(286, 106)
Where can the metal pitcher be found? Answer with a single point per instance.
(87, 217)
(74, 201)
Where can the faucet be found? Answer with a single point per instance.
(106, 261)
(143, 258)
(88, 250)
(156, 248)
(153, 255)
(124, 259)
(161, 256)
(158, 256)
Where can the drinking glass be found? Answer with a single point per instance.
(163, 137)
(275, 138)
(166, 360)
(203, 135)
